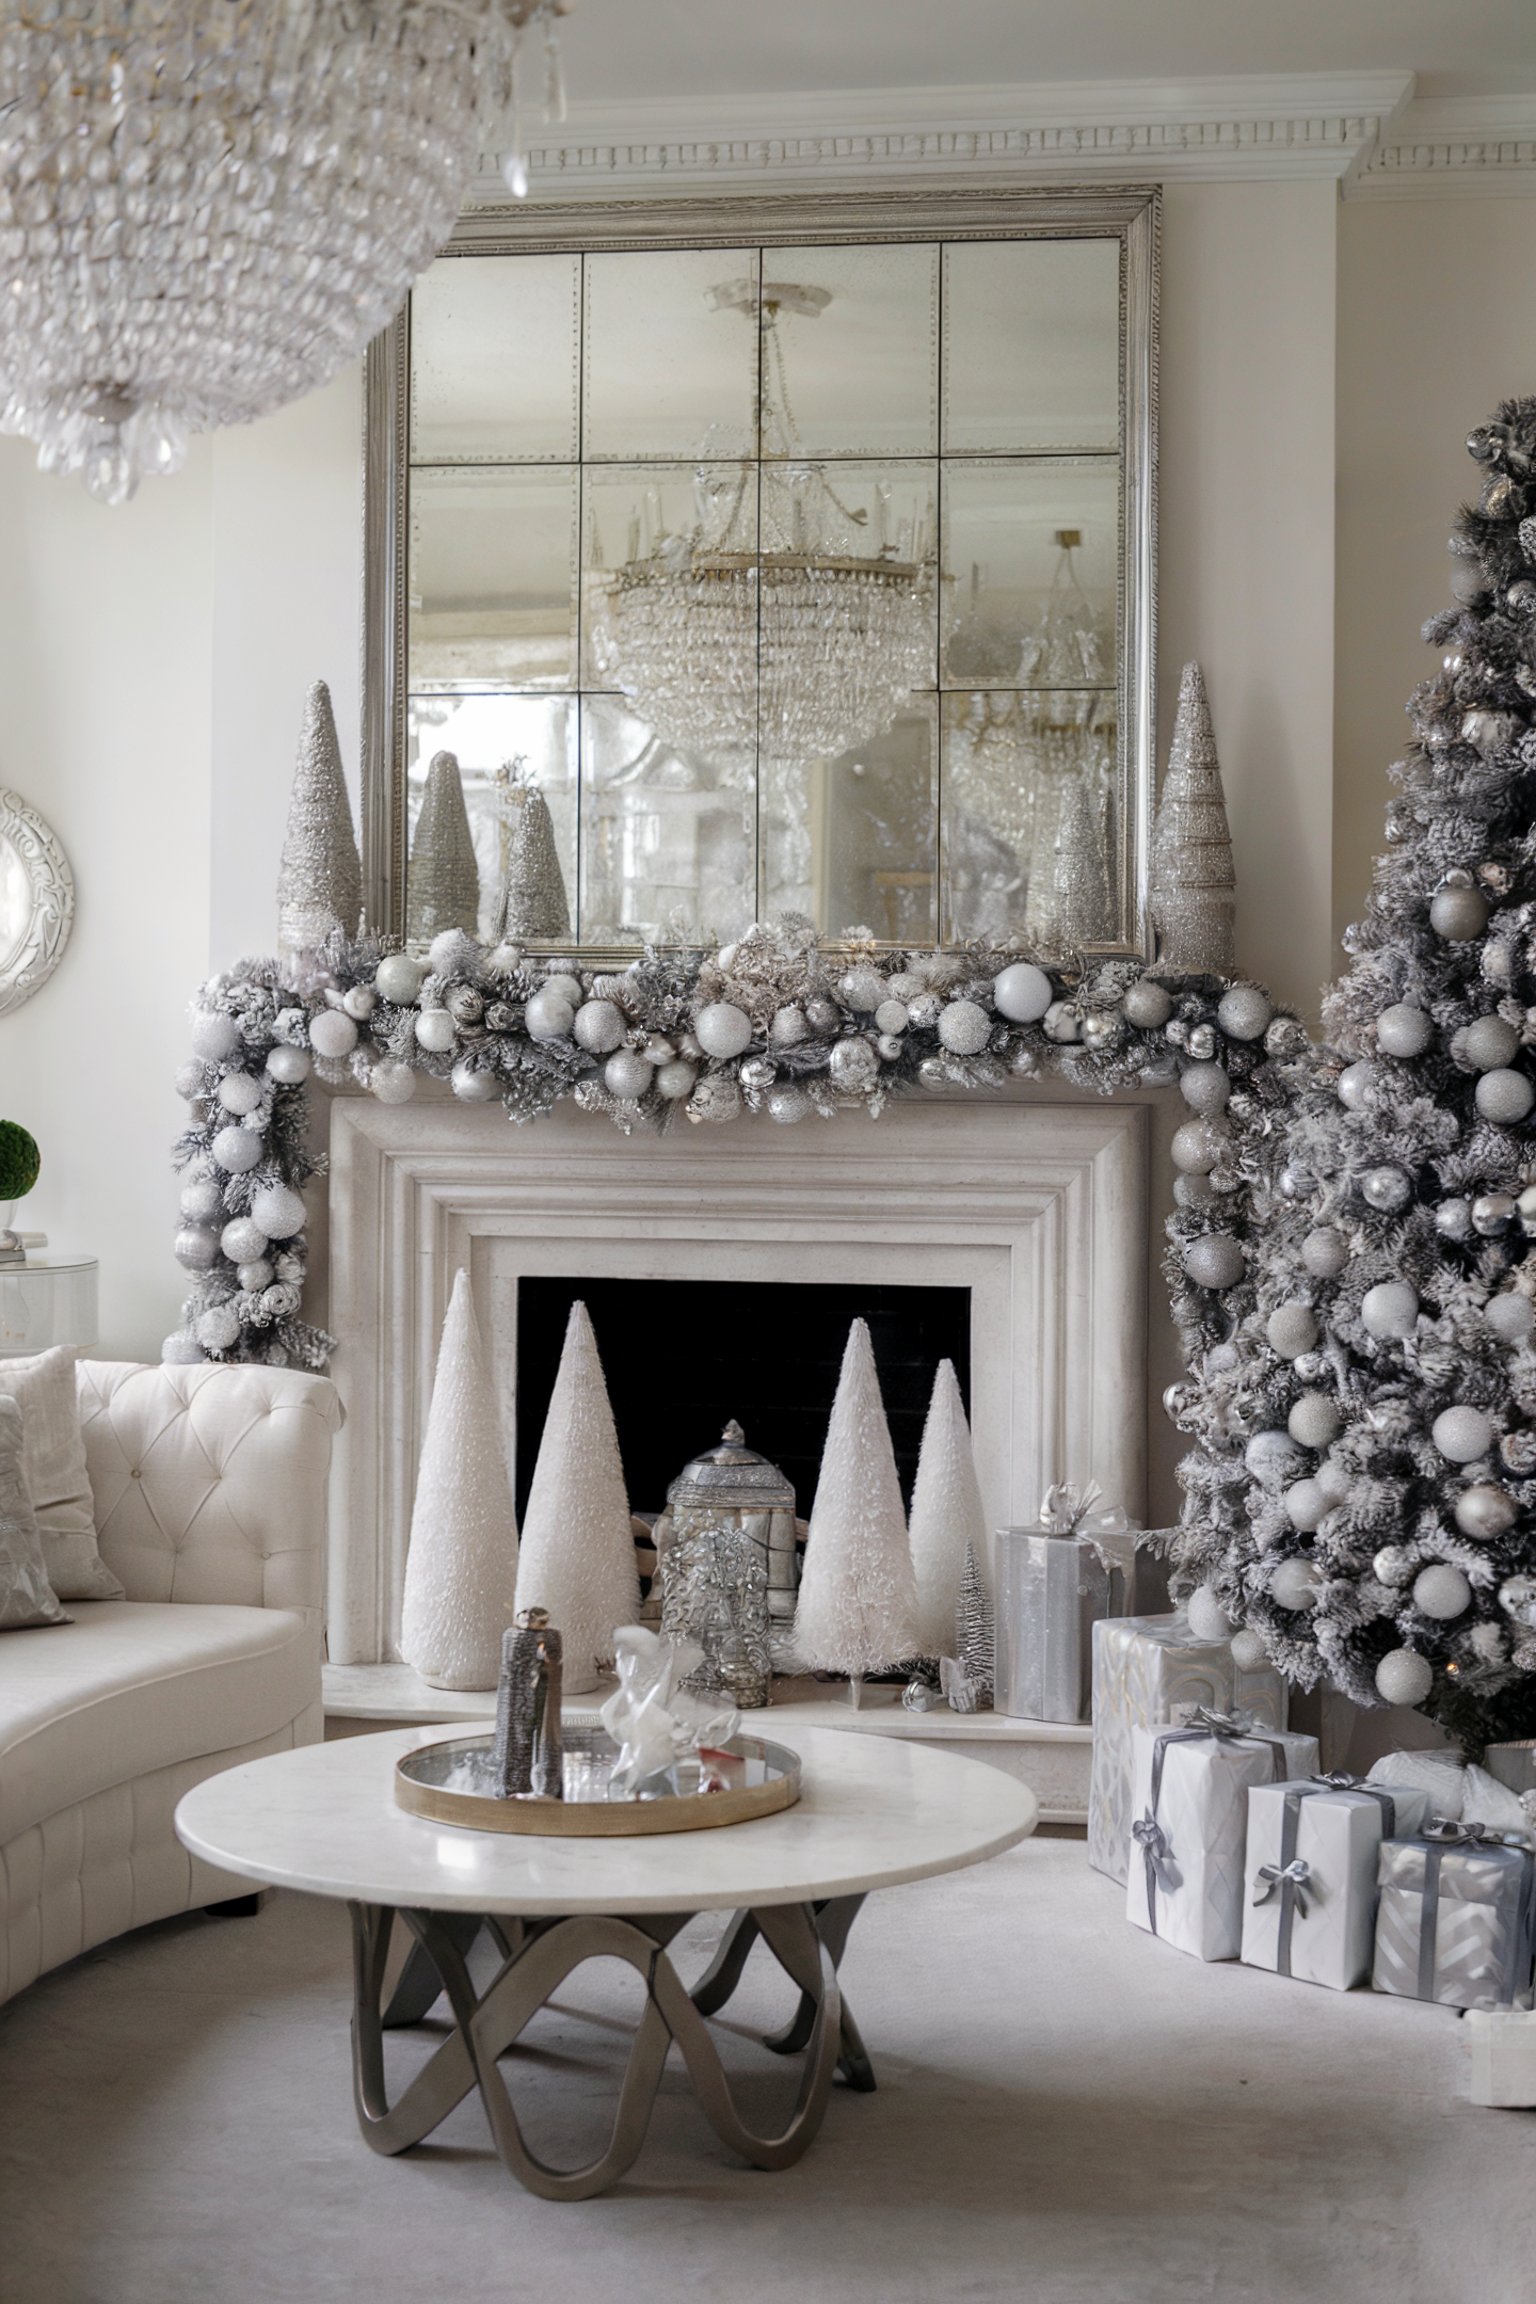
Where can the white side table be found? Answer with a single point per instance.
(51, 1299)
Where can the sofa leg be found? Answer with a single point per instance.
(238, 1907)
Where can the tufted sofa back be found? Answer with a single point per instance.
(210, 1482)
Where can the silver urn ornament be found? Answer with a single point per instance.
(727, 1565)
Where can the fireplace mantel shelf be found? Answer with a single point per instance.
(1050, 1755)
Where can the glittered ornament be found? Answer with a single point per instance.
(824, 1015)
(196, 1248)
(1391, 1565)
(214, 1037)
(964, 1027)
(549, 1015)
(891, 1018)
(217, 1328)
(1147, 1004)
(1486, 1512)
(723, 1029)
(1441, 1591)
(1453, 1219)
(757, 1075)
(278, 1211)
(1022, 993)
(1504, 1096)
(201, 1201)
(674, 1081)
(1202, 1042)
(561, 984)
(442, 887)
(1248, 1651)
(862, 989)
(1306, 1503)
(628, 1075)
(398, 978)
(238, 1150)
(1403, 1030)
(333, 1034)
(1458, 912)
(1510, 1316)
(392, 1082)
(1291, 1329)
(1404, 1677)
(1390, 1309)
(1273, 1457)
(854, 1065)
(239, 1094)
(787, 1103)
(789, 1027)
(1493, 1213)
(1244, 1012)
(1198, 1145)
(1462, 1434)
(434, 1031)
(243, 1241)
(1315, 1420)
(1205, 1088)
(1486, 1044)
(1356, 1082)
(320, 879)
(288, 1066)
(474, 1083)
(1192, 892)
(599, 1027)
(1294, 1583)
(1325, 1252)
(255, 1276)
(1215, 1261)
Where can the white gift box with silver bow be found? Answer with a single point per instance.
(1190, 1830)
(1310, 1898)
(1149, 1670)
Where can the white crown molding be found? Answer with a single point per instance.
(1261, 126)
(1468, 146)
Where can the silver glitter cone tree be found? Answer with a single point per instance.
(1192, 884)
(534, 903)
(443, 886)
(320, 879)
(1363, 1501)
(1068, 903)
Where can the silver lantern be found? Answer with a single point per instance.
(726, 1564)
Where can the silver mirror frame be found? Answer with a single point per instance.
(1131, 212)
(52, 888)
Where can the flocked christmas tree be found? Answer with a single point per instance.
(1364, 1501)
(443, 885)
(320, 879)
(947, 1515)
(1192, 890)
(461, 1568)
(857, 1611)
(578, 1548)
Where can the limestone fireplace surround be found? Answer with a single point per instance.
(1038, 1207)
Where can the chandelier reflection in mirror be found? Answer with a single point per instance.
(207, 207)
(747, 576)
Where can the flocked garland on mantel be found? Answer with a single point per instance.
(778, 1027)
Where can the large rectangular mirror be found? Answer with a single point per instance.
(769, 555)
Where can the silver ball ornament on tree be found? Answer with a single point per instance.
(1202, 1042)
(1493, 1213)
(1147, 1005)
(1292, 1329)
(1325, 1252)
(1458, 912)
(1248, 1651)
(202, 1201)
(824, 1015)
(1215, 1260)
(1462, 1434)
(1022, 993)
(1441, 1591)
(1391, 1565)
(1486, 1512)
(1294, 1583)
(1404, 1677)
(1510, 1316)
(599, 1027)
(891, 1018)
(757, 1075)
(218, 1328)
(549, 1016)
(1403, 1030)
(862, 990)
(1208, 1620)
(392, 1082)
(397, 979)
(566, 986)
(434, 1030)
(278, 1211)
(214, 1036)
(239, 1150)
(1205, 1089)
(240, 1094)
(787, 1103)
(723, 1029)
(628, 1075)
(289, 1066)
(191, 1084)
(1315, 1421)
(1453, 1219)
(332, 1034)
(475, 1083)
(788, 1028)
(1244, 1012)
(1390, 1309)
(1487, 1044)
(964, 1027)
(196, 1248)
(1306, 1505)
(924, 1011)
(1504, 1096)
(1198, 1145)
(675, 1081)
(255, 1276)
(1272, 1457)
(1356, 1082)
(1386, 1189)
(243, 1241)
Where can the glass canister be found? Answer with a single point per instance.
(727, 1564)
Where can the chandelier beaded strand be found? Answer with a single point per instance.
(207, 207)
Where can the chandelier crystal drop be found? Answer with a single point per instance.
(207, 207)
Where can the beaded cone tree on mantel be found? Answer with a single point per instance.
(1193, 893)
(320, 879)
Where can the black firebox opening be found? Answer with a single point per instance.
(681, 1357)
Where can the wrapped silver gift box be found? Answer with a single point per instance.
(1454, 1922)
(1148, 1670)
(1051, 1591)
(1310, 1903)
(1191, 1807)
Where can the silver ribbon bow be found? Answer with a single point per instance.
(1446, 1832)
(1294, 1875)
(1339, 1780)
(1069, 1510)
(1228, 1727)
(1162, 1872)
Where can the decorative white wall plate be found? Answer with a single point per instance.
(37, 901)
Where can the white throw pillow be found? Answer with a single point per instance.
(26, 1596)
(53, 1466)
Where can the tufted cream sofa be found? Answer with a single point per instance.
(209, 1487)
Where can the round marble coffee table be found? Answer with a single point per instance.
(323, 1820)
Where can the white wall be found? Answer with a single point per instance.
(1435, 328)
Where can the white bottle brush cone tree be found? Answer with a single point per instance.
(947, 1514)
(461, 1568)
(857, 1611)
(578, 1552)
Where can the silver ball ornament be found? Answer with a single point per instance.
(1493, 1213)
(360, 1001)
(1100, 1030)
(475, 1083)
(288, 1066)
(217, 1328)
(1061, 1023)
(1517, 1598)
(202, 1201)
(1325, 1252)
(1403, 1030)
(964, 1027)
(434, 1029)
(890, 1047)
(182, 1350)
(1458, 914)
(196, 1248)
(924, 1011)
(1272, 1457)
(1462, 1434)
(1356, 1082)
(1335, 1480)
(565, 986)
(1208, 1620)
(1306, 1504)
(1386, 1189)
(891, 1018)
(191, 1083)
(862, 990)
(1205, 1089)
(1193, 1191)
(243, 1241)
(1202, 1042)
(240, 1094)
(1315, 1421)
(1510, 1316)
(757, 1075)
(1147, 1005)
(723, 1029)
(549, 1015)
(1389, 1309)
(824, 1015)
(1294, 1583)
(1291, 1329)
(1391, 1565)
(239, 1150)
(1441, 1591)
(788, 1028)
(674, 1081)
(1248, 1651)
(1244, 1012)
(1216, 1260)
(1486, 1044)
(1022, 993)
(332, 1034)
(628, 1075)
(1453, 1219)
(599, 1027)
(1486, 1512)
(278, 1211)
(1404, 1677)
(1198, 1145)
(397, 979)
(214, 1036)
(1504, 1096)
(392, 1082)
(905, 985)
(255, 1276)
(787, 1103)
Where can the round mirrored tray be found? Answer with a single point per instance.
(453, 1783)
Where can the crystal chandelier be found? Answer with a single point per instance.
(207, 207)
(775, 628)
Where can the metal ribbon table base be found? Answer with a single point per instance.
(535, 1958)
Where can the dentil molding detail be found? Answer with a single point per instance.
(1364, 130)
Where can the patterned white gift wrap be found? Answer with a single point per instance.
(1455, 1919)
(1190, 1826)
(1310, 1908)
(1147, 1671)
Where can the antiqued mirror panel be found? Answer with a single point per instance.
(770, 574)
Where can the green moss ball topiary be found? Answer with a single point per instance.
(20, 1160)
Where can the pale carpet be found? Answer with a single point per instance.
(1067, 2112)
